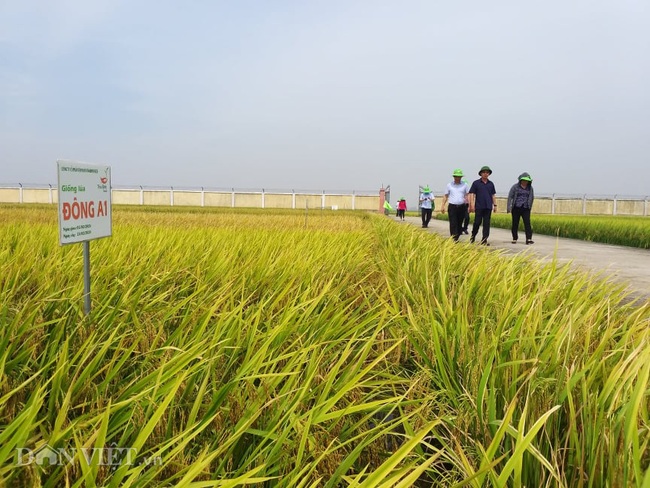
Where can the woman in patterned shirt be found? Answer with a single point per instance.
(520, 203)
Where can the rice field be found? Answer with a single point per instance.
(284, 348)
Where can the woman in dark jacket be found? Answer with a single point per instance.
(520, 203)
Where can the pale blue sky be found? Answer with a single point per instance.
(329, 94)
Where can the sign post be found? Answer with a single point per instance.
(85, 213)
(86, 245)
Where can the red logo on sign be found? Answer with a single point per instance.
(103, 179)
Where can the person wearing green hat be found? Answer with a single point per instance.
(456, 194)
(520, 202)
(426, 205)
(482, 201)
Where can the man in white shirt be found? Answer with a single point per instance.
(456, 195)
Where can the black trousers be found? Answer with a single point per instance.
(482, 216)
(426, 216)
(466, 219)
(456, 216)
(523, 213)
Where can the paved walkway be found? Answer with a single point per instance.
(623, 264)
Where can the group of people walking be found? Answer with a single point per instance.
(461, 199)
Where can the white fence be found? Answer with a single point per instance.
(206, 197)
(562, 204)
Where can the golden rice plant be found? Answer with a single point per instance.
(284, 348)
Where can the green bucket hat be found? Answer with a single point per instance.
(426, 189)
(458, 172)
(484, 168)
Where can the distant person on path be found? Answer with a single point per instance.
(466, 219)
(426, 205)
(401, 208)
(482, 201)
(456, 194)
(520, 203)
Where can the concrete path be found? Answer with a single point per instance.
(627, 265)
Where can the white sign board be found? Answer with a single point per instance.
(84, 201)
